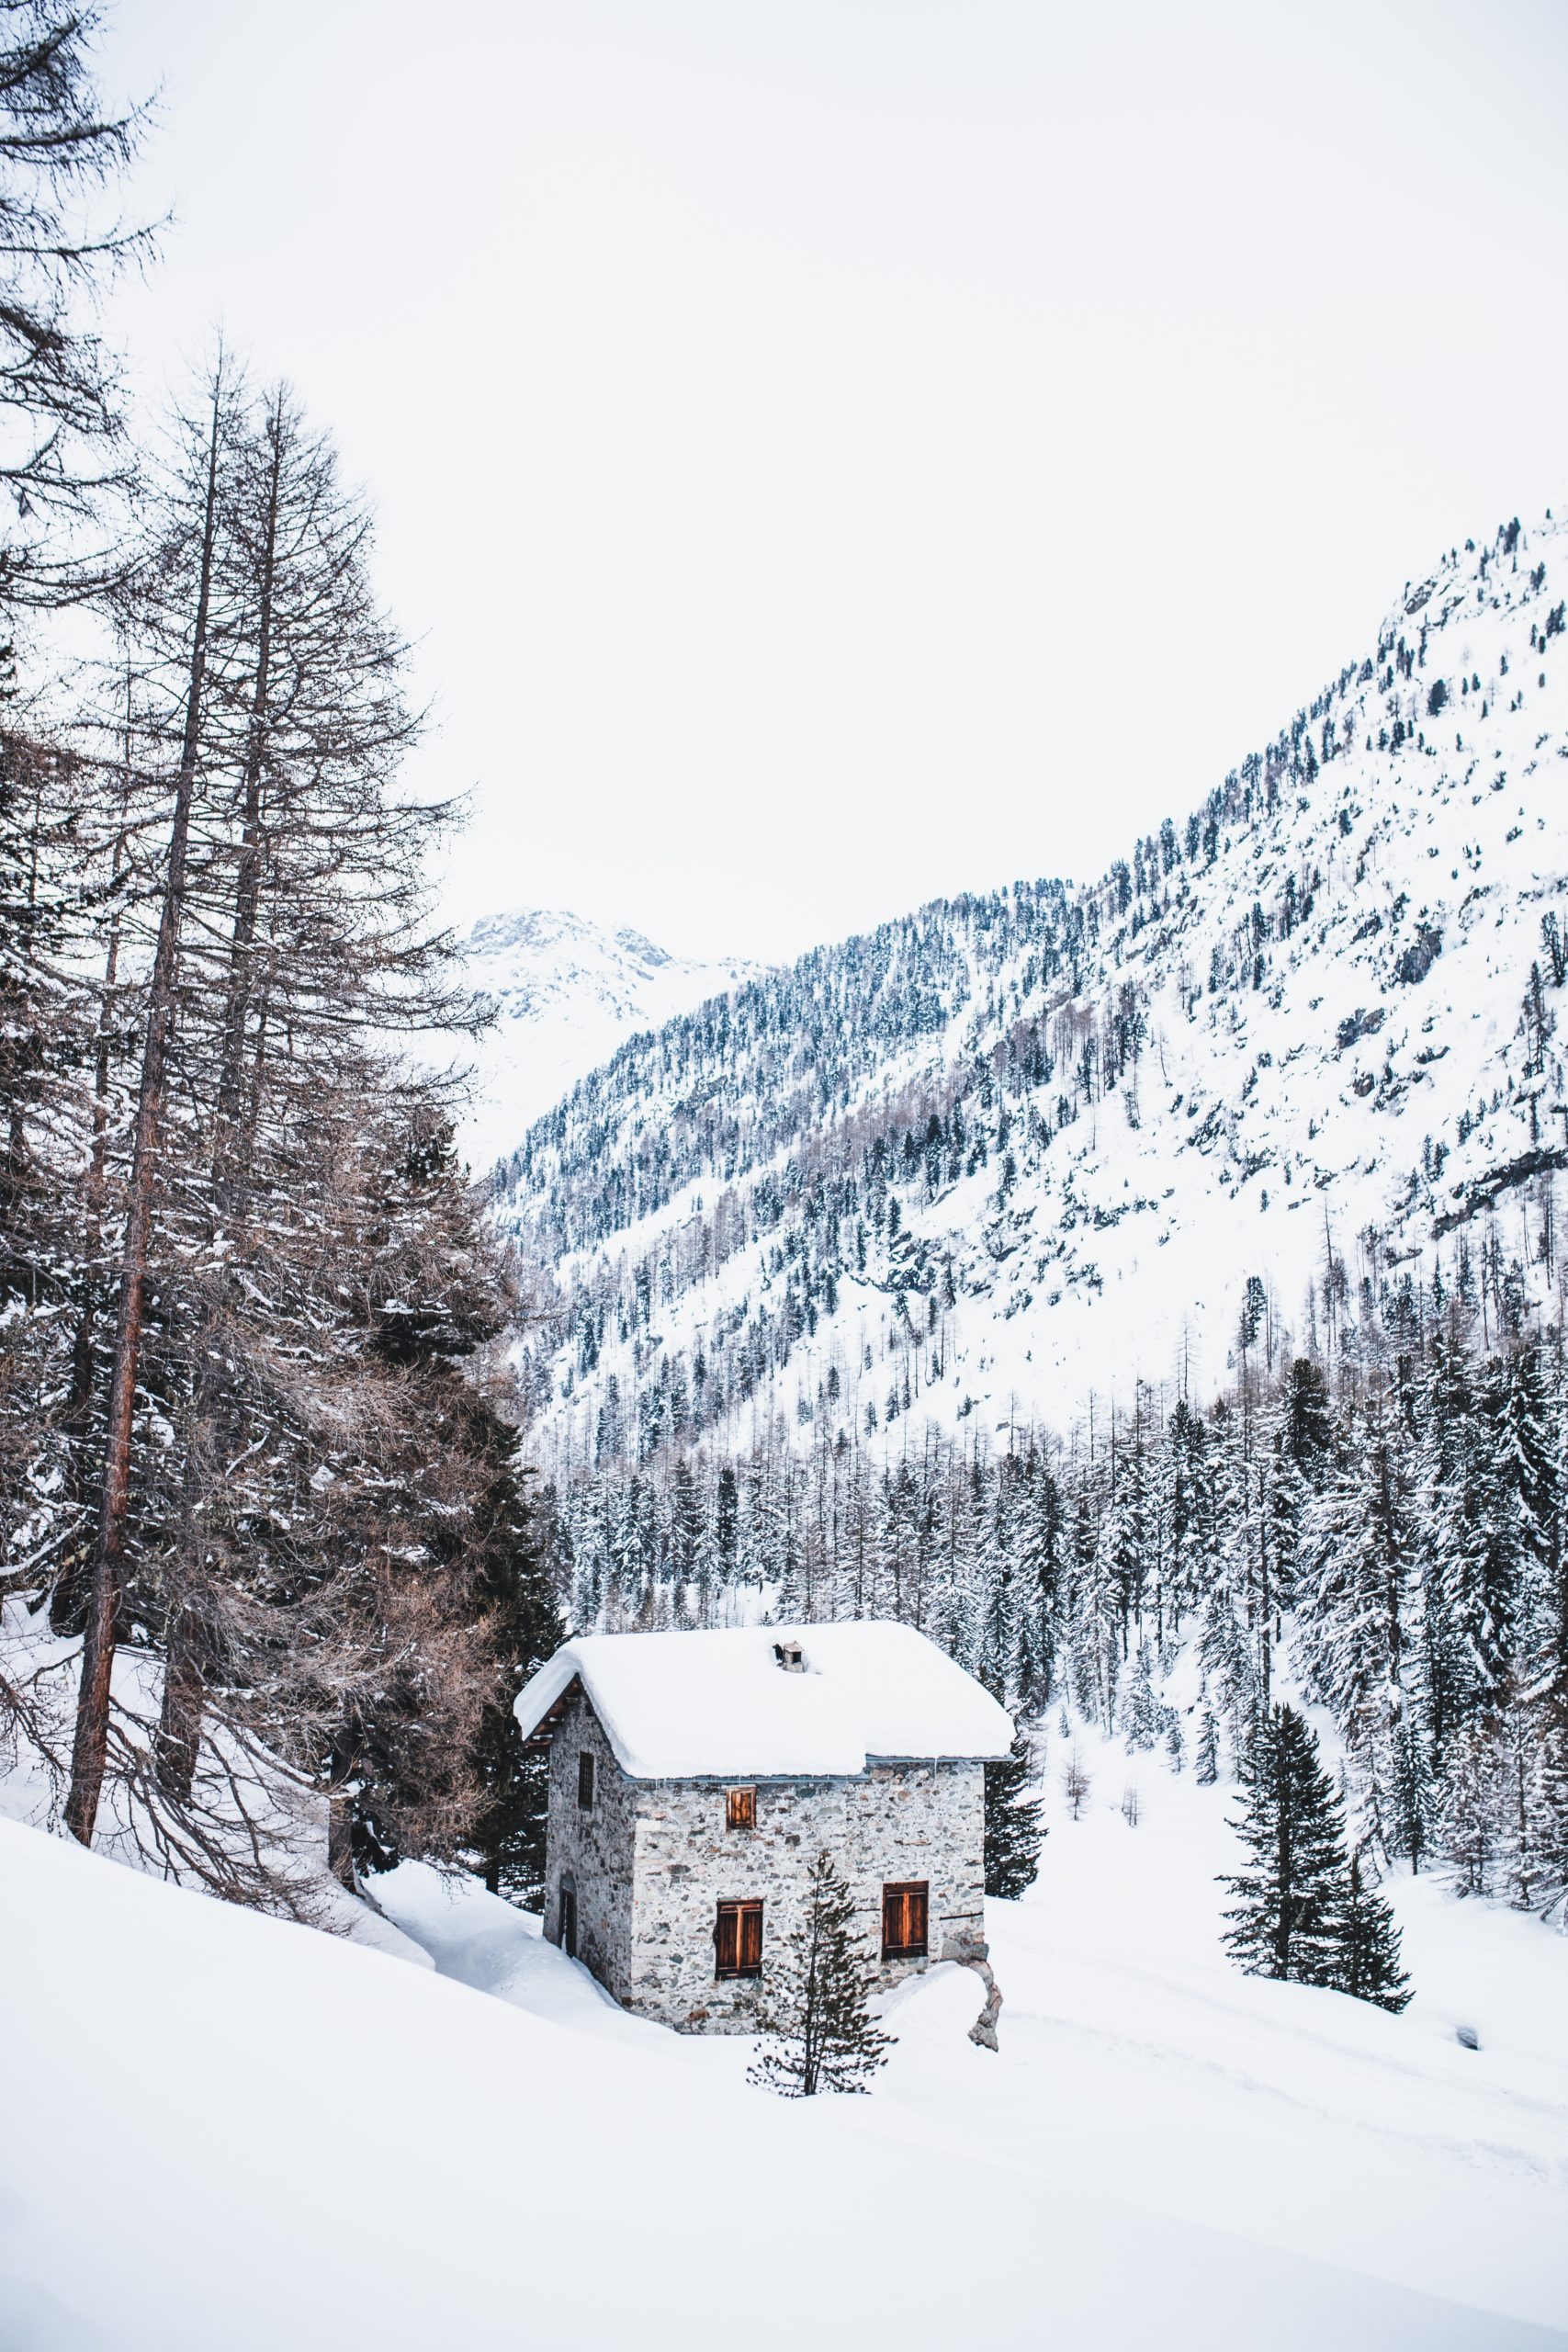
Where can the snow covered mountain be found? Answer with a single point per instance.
(564, 993)
(1291, 1052)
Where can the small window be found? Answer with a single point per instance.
(737, 1940)
(904, 1921)
(740, 1808)
(585, 1782)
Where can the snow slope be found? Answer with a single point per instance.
(1294, 1033)
(286, 1818)
(565, 992)
(1138, 2068)
(222, 2130)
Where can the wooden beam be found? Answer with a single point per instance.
(545, 1729)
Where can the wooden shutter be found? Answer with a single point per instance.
(737, 1940)
(905, 1911)
(585, 1782)
(741, 1809)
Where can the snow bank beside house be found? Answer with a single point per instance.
(689, 1705)
(225, 2130)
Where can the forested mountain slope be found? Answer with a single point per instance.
(1012, 1148)
(564, 992)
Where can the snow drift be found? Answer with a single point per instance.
(222, 2130)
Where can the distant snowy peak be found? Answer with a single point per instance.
(565, 992)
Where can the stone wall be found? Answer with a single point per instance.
(898, 1822)
(593, 1851)
(652, 1860)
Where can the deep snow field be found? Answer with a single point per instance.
(224, 2133)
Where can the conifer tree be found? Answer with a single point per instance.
(1139, 1715)
(1411, 1810)
(61, 429)
(820, 2012)
(523, 1620)
(1225, 1657)
(1471, 1803)
(1190, 1504)
(1040, 1562)
(1285, 1921)
(1095, 1636)
(1367, 1964)
(1013, 1833)
(1308, 1423)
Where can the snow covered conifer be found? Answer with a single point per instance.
(1012, 1825)
(1368, 1947)
(821, 2014)
(513, 1591)
(1308, 1427)
(1470, 1802)
(1042, 1545)
(1286, 1920)
(1208, 1760)
(1410, 1822)
(1140, 1716)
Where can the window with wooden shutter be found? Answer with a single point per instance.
(585, 1782)
(737, 1940)
(904, 1913)
(741, 1809)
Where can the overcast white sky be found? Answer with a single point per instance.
(835, 452)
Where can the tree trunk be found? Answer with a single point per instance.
(178, 1737)
(180, 1717)
(90, 1752)
(68, 1600)
(340, 1844)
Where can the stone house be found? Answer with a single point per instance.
(694, 1778)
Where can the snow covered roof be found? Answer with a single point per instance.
(695, 1706)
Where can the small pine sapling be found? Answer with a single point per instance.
(1076, 1784)
(1208, 1762)
(1013, 1833)
(820, 2009)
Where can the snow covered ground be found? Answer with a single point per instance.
(223, 2131)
